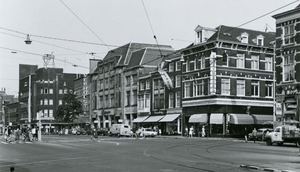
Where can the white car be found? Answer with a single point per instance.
(148, 132)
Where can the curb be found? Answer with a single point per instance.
(262, 168)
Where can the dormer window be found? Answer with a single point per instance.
(199, 36)
(244, 37)
(260, 40)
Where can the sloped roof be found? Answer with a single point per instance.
(126, 51)
(228, 33)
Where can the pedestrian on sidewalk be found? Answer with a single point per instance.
(203, 131)
(191, 132)
(254, 134)
(186, 132)
(246, 134)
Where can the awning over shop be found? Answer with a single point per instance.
(261, 119)
(198, 118)
(154, 118)
(290, 112)
(241, 119)
(216, 118)
(140, 119)
(169, 118)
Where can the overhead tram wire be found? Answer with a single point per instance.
(41, 55)
(262, 16)
(69, 49)
(151, 28)
(85, 24)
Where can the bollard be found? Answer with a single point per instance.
(12, 169)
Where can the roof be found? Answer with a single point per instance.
(289, 12)
(126, 51)
(232, 34)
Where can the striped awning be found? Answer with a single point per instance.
(140, 119)
(153, 118)
(169, 118)
(261, 119)
(216, 118)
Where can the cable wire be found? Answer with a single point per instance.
(84, 24)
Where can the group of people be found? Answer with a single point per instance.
(25, 134)
(190, 132)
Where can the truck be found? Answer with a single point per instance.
(284, 134)
(120, 130)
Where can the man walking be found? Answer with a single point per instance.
(254, 134)
(246, 134)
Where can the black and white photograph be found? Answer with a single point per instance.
(149, 85)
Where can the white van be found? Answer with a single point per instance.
(120, 130)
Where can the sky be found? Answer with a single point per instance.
(73, 30)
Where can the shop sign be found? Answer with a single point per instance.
(278, 109)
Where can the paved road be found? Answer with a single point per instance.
(79, 153)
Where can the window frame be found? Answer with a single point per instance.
(225, 86)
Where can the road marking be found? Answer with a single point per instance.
(4, 143)
(145, 153)
(109, 142)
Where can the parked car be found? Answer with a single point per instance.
(148, 132)
(260, 134)
(81, 131)
(102, 131)
(120, 130)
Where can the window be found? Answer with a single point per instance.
(107, 104)
(50, 101)
(187, 66)
(255, 88)
(178, 81)
(66, 91)
(259, 41)
(147, 103)
(42, 91)
(199, 36)
(192, 65)
(289, 34)
(46, 102)
(141, 102)
(268, 64)
(288, 68)
(51, 91)
(59, 102)
(269, 89)
(134, 97)
(178, 65)
(171, 100)
(128, 79)
(201, 63)
(147, 85)
(60, 91)
(240, 87)
(41, 102)
(142, 85)
(106, 83)
(46, 90)
(187, 89)
(240, 61)
(50, 113)
(101, 84)
(134, 79)
(112, 100)
(171, 67)
(46, 113)
(225, 86)
(127, 98)
(244, 38)
(198, 89)
(25, 84)
(178, 99)
(254, 62)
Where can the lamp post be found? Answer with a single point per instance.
(182, 116)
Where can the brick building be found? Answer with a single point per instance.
(288, 64)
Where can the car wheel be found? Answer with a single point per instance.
(269, 142)
(280, 144)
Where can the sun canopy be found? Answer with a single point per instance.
(241, 119)
(198, 118)
(140, 119)
(169, 118)
(261, 119)
(153, 119)
(216, 118)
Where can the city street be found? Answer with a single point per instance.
(78, 153)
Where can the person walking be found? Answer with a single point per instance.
(254, 134)
(203, 131)
(33, 131)
(94, 134)
(186, 132)
(191, 131)
(246, 134)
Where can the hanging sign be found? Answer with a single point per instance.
(166, 78)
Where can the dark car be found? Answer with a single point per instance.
(102, 131)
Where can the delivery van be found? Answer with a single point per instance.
(120, 130)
